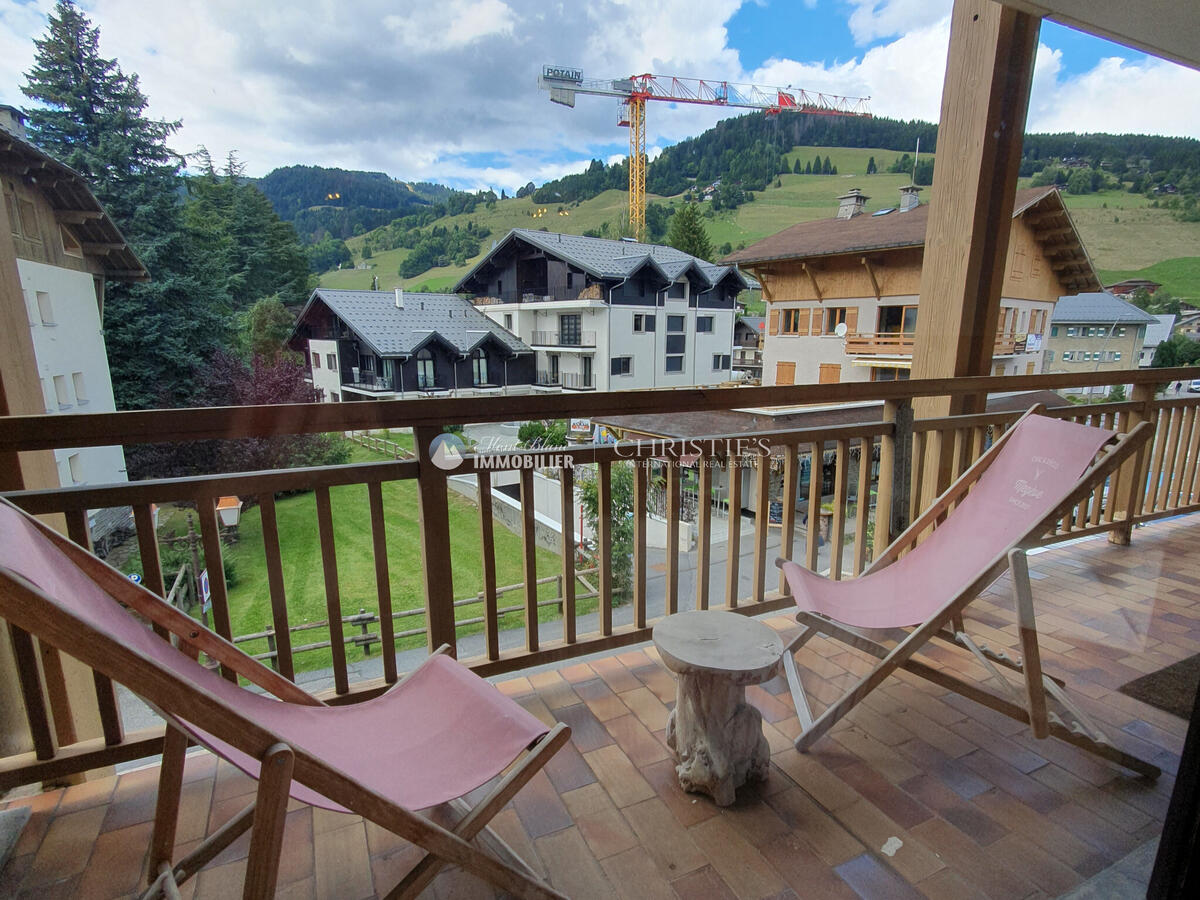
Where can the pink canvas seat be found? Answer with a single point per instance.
(1002, 506)
(436, 735)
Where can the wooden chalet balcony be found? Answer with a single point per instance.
(878, 777)
(901, 344)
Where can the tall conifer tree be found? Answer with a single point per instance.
(93, 117)
(687, 232)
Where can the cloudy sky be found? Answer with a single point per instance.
(445, 90)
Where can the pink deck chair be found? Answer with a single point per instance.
(1005, 504)
(436, 735)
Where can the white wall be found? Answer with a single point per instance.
(326, 379)
(72, 362)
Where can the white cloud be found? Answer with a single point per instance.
(1151, 97)
(451, 23)
(873, 20)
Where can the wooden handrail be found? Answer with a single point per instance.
(47, 432)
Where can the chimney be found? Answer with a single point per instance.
(12, 120)
(399, 298)
(851, 203)
(908, 197)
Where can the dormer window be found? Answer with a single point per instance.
(479, 366)
(425, 373)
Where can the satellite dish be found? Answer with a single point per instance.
(841, 329)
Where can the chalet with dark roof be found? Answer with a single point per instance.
(362, 345)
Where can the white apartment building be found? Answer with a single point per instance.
(610, 314)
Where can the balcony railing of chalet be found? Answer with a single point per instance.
(563, 339)
(546, 379)
(885, 458)
(747, 356)
(368, 381)
(529, 295)
(901, 344)
(578, 381)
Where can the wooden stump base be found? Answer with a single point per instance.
(716, 736)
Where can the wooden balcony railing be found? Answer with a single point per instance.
(885, 458)
(901, 344)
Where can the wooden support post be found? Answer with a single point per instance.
(985, 98)
(435, 544)
(703, 530)
(1131, 477)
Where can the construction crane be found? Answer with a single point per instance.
(564, 82)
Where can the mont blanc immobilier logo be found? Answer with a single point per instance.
(446, 451)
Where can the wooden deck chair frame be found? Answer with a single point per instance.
(447, 843)
(1031, 705)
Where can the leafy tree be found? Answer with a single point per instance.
(1160, 303)
(923, 174)
(621, 524)
(1177, 350)
(329, 253)
(871, 167)
(93, 119)
(687, 232)
(228, 381)
(264, 327)
(657, 218)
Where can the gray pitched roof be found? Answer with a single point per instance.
(1099, 306)
(605, 258)
(400, 332)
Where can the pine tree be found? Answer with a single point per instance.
(93, 119)
(807, 168)
(796, 170)
(816, 170)
(687, 232)
(827, 167)
(871, 167)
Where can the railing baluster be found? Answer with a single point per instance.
(865, 446)
(1179, 466)
(816, 475)
(733, 541)
(787, 525)
(604, 560)
(837, 530)
(640, 479)
(762, 525)
(284, 663)
(673, 473)
(487, 549)
(703, 530)
(383, 582)
(152, 579)
(567, 485)
(1171, 445)
(1161, 433)
(333, 596)
(918, 475)
(529, 559)
(37, 712)
(1188, 494)
(206, 513)
(434, 512)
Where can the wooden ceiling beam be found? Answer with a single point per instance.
(77, 216)
(812, 277)
(871, 274)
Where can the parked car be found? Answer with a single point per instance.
(1194, 386)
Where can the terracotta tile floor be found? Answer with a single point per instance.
(916, 793)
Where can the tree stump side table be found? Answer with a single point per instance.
(715, 735)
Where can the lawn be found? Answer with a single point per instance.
(1181, 277)
(304, 584)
